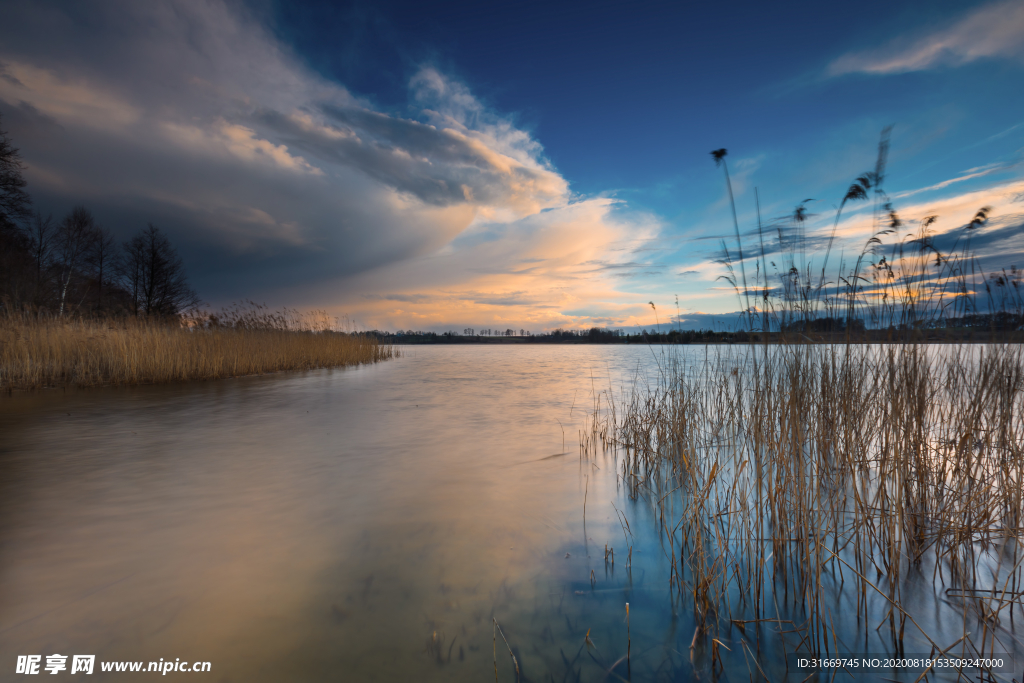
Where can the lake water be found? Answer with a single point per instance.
(362, 524)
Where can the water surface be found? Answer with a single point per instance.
(366, 523)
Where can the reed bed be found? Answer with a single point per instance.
(788, 479)
(38, 352)
(831, 491)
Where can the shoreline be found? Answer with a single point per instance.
(44, 354)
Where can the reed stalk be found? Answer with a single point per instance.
(869, 461)
(819, 466)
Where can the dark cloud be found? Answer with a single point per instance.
(440, 166)
(267, 176)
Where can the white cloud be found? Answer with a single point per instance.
(969, 174)
(995, 30)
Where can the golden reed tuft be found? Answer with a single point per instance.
(38, 352)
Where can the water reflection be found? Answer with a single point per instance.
(367, 522)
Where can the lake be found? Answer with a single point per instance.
(313, 525)
(364, 524)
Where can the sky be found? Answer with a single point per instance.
(528, 165)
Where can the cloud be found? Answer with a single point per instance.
(625, 268)
(62, 98)
(279, 184)
(994, 30)
(969, 174)
(437, 165)
(953, 211)
(276, 182)
(717, 322)
(556, 268)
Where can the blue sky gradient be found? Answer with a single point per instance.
(390, 128)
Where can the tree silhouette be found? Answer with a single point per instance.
(74, 237)
(14, 201)
(101, 258)
(154, 275)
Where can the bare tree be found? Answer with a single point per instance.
(41, 235)
(14, 201)
(154, 275)
(101, 258)
(73, 239)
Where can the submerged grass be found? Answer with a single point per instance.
(788, 479)
(38, 352)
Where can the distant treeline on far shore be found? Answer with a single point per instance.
(971, 328)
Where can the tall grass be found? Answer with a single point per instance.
(39, 351)
(775, 469)
(902, 278)
(795, 481)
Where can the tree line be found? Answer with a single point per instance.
(594, 335)
(75, 266)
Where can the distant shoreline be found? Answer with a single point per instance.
(725, 338)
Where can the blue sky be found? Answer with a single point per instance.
(527, 165)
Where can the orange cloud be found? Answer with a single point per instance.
(553, 269)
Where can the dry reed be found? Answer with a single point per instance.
(785, 475)
(790, 480)
(38, 352)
